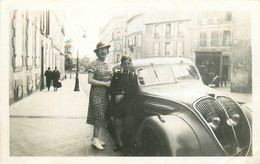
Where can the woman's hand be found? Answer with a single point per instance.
(107, 84)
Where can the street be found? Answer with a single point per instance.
(54, 124)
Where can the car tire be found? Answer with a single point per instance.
(151, 144)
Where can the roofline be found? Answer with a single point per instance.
(134, 17)
(180, 20)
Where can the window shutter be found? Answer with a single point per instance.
(29, 42)
(163, 49)
(18, 38)
(171, 48)
(153, 32)
(163, 29)
(172, 29)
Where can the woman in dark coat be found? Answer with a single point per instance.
(99, 77)
(56, 77)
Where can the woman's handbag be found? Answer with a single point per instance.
(59, 85)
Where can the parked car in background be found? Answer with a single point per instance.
(175, 114)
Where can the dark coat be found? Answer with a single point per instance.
(56, 75)
(124, 83)
(48, 75)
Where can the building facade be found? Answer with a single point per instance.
(36, 43)
(221, 45)
(113, 34)
(158, 35)
(134, 36)
(219, 42)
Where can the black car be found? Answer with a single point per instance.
(175, 114)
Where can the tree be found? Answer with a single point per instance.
(84, 63)
(68, 63)
(68, 58)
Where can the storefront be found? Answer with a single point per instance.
(208, 64)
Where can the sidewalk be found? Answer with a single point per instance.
(239, 97)
(54, 124)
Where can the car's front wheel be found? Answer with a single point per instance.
(151, 145)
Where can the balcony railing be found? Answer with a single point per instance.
(207, 43)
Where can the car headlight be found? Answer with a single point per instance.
(214, 122)
(232, 110)
(234, 118)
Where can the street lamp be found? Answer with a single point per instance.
(77, 72)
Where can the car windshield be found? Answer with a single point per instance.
(155, 75)
(185, 72)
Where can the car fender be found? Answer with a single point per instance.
(175, 134)
(248, 113)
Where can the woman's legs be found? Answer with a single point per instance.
(95, 140)
(96, 132)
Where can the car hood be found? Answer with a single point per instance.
(185, 92)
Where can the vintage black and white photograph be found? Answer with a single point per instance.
(139, 79)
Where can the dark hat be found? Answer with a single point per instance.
(101, 45)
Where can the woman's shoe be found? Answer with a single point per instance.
(102, 142)
(97, 144)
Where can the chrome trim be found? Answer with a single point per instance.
(198, 113)
(157, 105)
(250, 128)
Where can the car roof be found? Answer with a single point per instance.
(158, 61)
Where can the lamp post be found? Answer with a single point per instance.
(77, 71)
(77, 74)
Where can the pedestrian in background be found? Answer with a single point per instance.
(123, 89)
(48, 74)
(99, 77)
(56, 77)
(223, 80)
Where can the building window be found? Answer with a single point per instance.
(156, 49)
(214, 38)
(226, 38)
(167, 48)
(112, 36)
(118, 57)
(203, 39)
(168, 29)
(42, 21)
(228, 16)
(216, 18)
(29, 57)
(128, 42)
(134, 40)
(157, 31)
(18, 39)
(181, 29)
(179, 48)
(204, 19)
(139, 40)
(119, 35)
(118, 46)
(225, 60)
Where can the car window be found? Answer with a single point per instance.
(185, 72)
(155, 75)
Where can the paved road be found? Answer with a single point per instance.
(53, 124)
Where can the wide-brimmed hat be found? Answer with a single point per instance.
(101, 45)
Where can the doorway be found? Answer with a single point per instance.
(208, 64)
